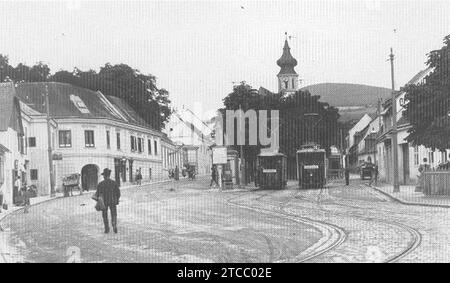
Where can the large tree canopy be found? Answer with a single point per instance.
(137, 89)
(429, 102)
(303, 118)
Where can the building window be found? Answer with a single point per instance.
(156, 147)
(89, 138)
(133, 144)
(65, 138)
(149, 147)
(118, 141)
(416, 155)
(33, 174)
(140, 146)
(108, 140)
(431, 157)
(32, 142)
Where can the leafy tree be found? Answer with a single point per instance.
(122, 81)
(303, 119)
(429, 102)
(137, 89)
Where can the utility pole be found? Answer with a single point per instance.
(243, 180)
(394, 144)
(49, 141)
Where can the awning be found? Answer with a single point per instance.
(3, 149)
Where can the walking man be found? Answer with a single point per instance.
(109, 190)
(374, 175)
(213, 176)
(138, 177)
(422, 168)
(347, 176)
(17, 188)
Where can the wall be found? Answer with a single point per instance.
(9, 140)
(78, 155)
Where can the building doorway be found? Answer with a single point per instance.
(89, 177)
(130, 168)
(119, 168)
(405, 151)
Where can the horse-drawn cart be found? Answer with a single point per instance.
(71, 182)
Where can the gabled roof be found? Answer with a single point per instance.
(127, 111)
(419, 76)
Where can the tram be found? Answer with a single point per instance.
(271, 170)
(311, 166)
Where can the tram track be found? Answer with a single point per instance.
(332, 235)
(415, 235)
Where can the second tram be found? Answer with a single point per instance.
(311, 166)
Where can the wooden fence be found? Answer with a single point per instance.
(436, 182)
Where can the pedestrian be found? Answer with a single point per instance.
(347, 176)
(110, 192)
(422, 169)
(16, 191)
(213, 176)
(374, 175)
(26, 199)
(177, 173)
(138, 177)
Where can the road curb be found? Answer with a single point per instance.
(406, 202)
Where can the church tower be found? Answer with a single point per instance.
(287, 77)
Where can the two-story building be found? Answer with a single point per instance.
(366, 148)
(194, 135)
(354, 136)
(409, 156)
(94, 131)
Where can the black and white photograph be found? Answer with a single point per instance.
(225, 137)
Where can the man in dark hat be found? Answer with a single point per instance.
(109, 190)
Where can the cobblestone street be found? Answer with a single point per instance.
(189, 222)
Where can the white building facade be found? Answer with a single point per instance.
(92, 132)
(410, 157)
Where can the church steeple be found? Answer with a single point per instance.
(287, 77)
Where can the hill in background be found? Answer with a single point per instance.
(338, 94)
(352, 100)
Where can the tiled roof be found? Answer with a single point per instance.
(61, 104)
(69, 101)
(127, 111)
(6, 105)
(420, 76)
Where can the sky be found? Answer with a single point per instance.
(199, 49)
